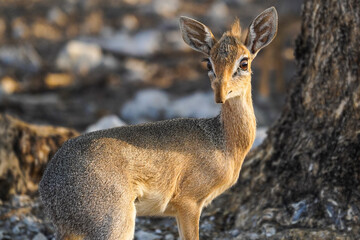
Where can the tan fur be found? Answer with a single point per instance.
(235, 28)
(73, 237)
(97, 183)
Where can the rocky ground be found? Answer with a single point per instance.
(22, 218)
(95, 64)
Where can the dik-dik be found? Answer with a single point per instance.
(97, 183)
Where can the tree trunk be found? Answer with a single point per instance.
(303, 182)
(25, 150)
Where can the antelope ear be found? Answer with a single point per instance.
(197, 35)
(262, 30)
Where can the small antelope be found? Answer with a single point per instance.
(97, 183)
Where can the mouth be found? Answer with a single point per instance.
(217, 100)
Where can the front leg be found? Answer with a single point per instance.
(187, 217)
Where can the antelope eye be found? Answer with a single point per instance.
(244, 64)
(209, 66)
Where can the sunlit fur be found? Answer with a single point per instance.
(97, 183)
(225, 57)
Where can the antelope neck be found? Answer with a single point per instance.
(239, 125)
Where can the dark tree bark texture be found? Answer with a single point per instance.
(25, 150)
(303, 182)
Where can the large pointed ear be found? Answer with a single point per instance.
(262, 30)
(197, 35)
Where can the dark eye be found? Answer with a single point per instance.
(208, 64)
(244, 64)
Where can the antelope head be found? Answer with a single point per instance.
(229, 59)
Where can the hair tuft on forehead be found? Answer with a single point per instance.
(235, 28)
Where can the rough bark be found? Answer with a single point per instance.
(303, 182)
(25, 150)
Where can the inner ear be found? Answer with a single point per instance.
(198, 36)
(262, 30)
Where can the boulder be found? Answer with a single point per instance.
(80, 57)
(147, 105)
(195, 105)
(106, 122)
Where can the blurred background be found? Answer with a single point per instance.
(89, 64)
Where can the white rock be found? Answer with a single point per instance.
(136, 70)
(219, 10)
(197, 105)
(152, 104)
(142, 235)
(39, 236)
(207, 226)
(139, 70)
(166, 8)
(31, 224)
(14, 219)
(20, 200)
(56, 15)
(130, 22)
(106, 122)
(21, 56)
(169, 236)
(143, 43)
(269, 230)
(19, 228)
(79, 56)
(260, 136)
(148, 105)
(135, 2)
